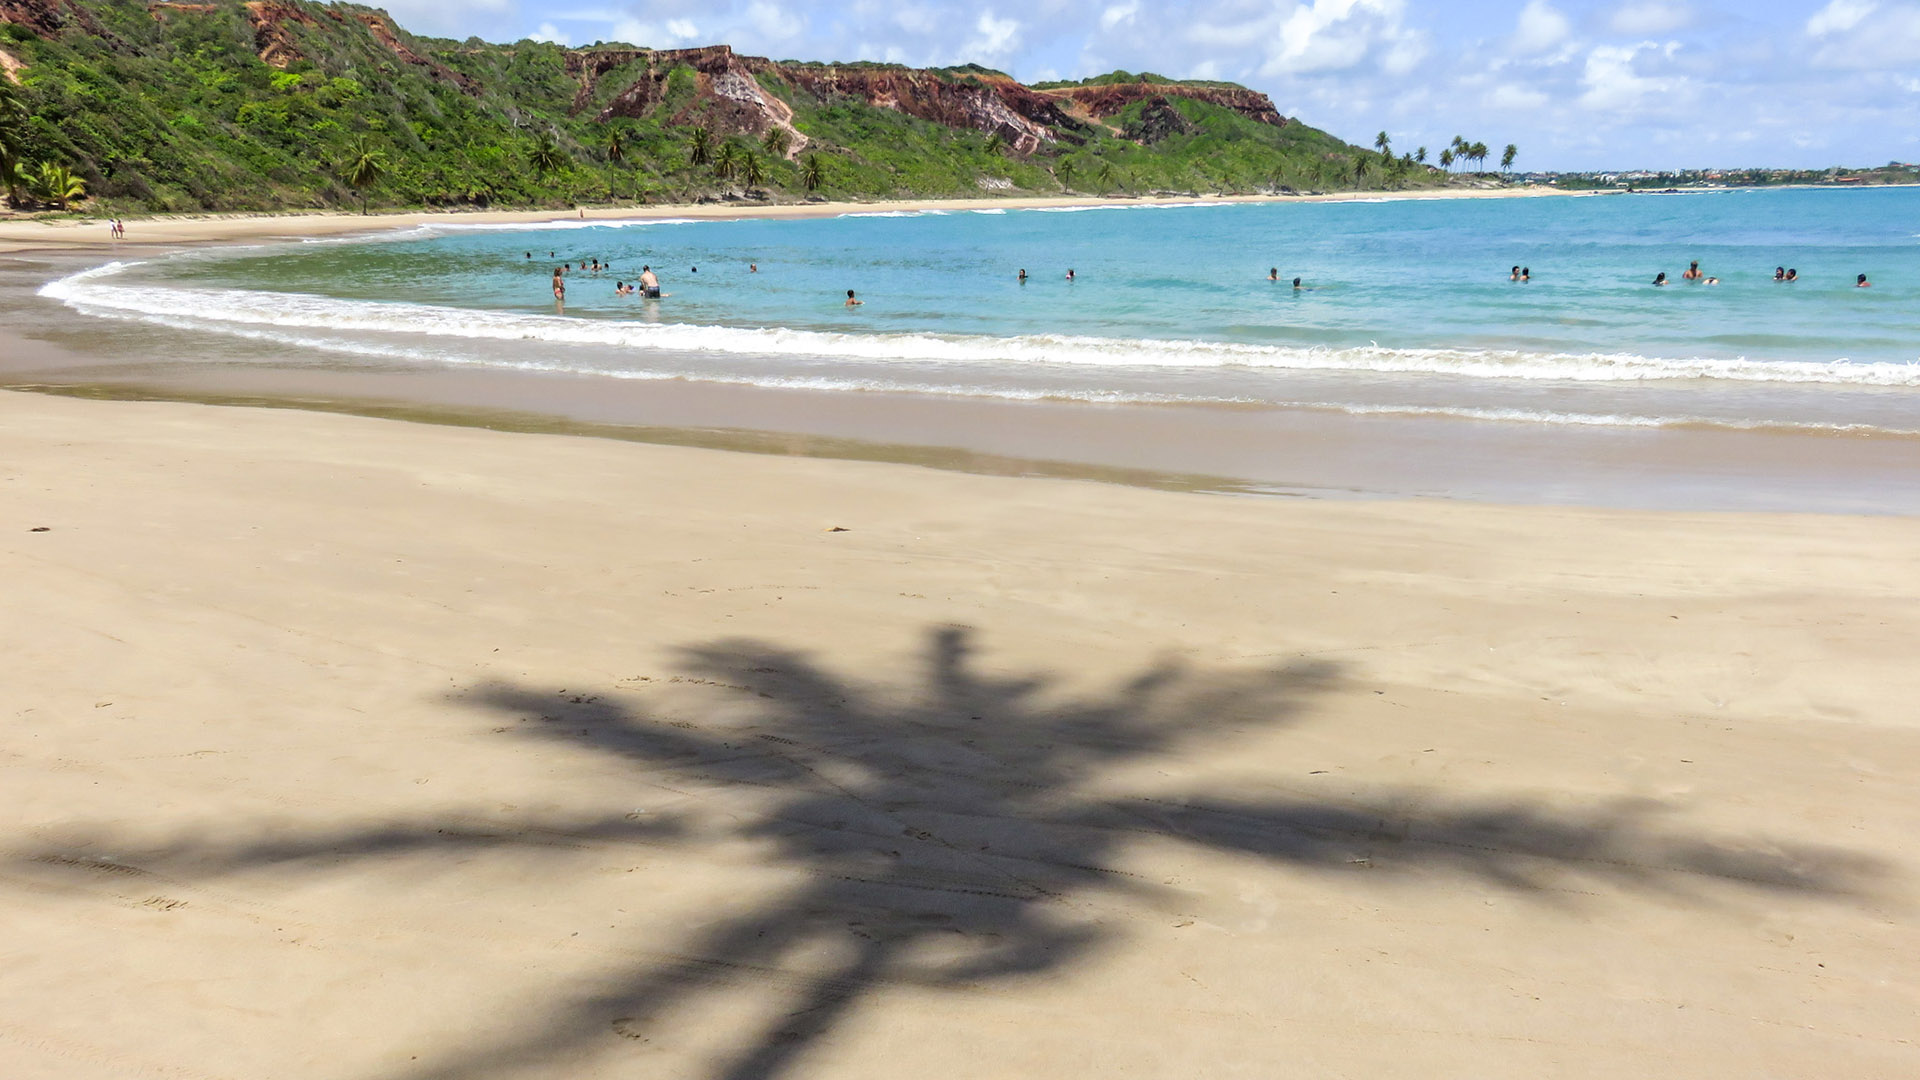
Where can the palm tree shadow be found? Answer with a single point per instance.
(968, 834)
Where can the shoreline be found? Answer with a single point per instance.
(183, 229)
(1283, 450)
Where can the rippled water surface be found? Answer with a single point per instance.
(1406, 306)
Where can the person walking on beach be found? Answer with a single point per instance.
(852, 301)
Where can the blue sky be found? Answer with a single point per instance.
(1577, 84)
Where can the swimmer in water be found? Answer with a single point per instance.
(1514, 274)
(1023, 275)
(1661, 278)
(1711, 281)
(753, 268)
(649, 284)
(1296, 284)
(1273, 274)
(1693, 272)
(559, 291)
(852, 301)
(1526, 274)
(1779, 273)
(1792, 274)
(1861, 282)
(1069, 275)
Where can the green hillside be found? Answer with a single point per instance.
(285, 104)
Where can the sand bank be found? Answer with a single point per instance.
(91, 234)
(339, 747)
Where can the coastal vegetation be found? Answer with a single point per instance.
(286, 104)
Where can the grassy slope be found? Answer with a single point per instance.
(181, 114)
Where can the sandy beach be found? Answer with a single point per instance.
(343, 747)
(75, 234)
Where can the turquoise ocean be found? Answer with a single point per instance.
(1406, 306)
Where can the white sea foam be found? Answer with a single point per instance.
(886, 213)
(93, 292)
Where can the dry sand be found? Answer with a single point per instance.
(91, 234)
(346, 748)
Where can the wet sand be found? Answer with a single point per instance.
(342, 747)
(91, 234)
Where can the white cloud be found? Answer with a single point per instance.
(1614, 82)
(1650, 17)
(1119, 14)
(773, 23)
(1540, 28)
(550, 32)
(1839, 16)
(994, 38)
(675, 33)
(1330, 35)
(1516, 98)
(1861, 35)
(439, 17)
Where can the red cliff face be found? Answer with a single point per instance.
(1104, 101)
(1024, 119)
(727, 97)
(50, 16)
(272, 37)
(730, 97)
(435, 70)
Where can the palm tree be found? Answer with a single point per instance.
(13, 141)
(1507, 156)
(616, 156)
(546, 156)
(699, 146)
(777, 141)
(1106, 175)
(995, 143)
(363, 168)
(1446, 159)
(1480, 156)
(1385, 145)
(751, 172)
(1361, 164)
(811, 173)
(1064, 172)
(1420, 155)
(56, 184)
(725, 160)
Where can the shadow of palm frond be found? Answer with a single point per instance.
(967, 832)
